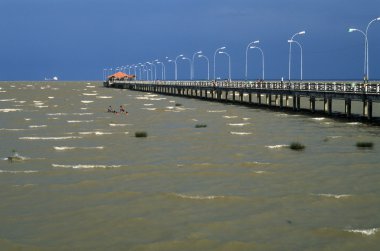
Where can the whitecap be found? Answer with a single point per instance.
(37, 126)
(238, 124)
(230, 117)
(95, 133)
(318, 119)
(149, 109)
(6, 100)
(276, 146)
(80, 121)
(335, 196)
(10, 110)
(148, 104)
(50, 97)
(241, 133)
(50, 138)
(354, 123)
(115, 125)
(86, 166)
(27, 119)
(367, 232)
(11, 129)
(89, 94)
(17, 172)
(104, 97)
(199, 197)
(65, 148)
(56, 114)
(215, 111)
(83, 113)
(87, 101)
(246, 118)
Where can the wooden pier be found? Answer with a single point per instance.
(276, 95)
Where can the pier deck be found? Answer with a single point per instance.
(283, 95)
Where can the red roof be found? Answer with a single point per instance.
(121, 75)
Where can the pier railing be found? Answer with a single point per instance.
(332, 87)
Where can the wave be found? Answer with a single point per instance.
(354, 123)
(89, 94)
(114, 125)
(11, 129)
(318, 119)
(95, 133)
(7, 100)
(37, 126)
(86, 166)
(276, 146)
(199, 197)
(83, 113)
(216, 111)
(64, 148)
(367, 232)
(240, 133)
(17, 172)
(149, 109)
(87, 101)
(80, 121)
(336, 196)
(230, 117)
(56, 114)
(238, 124)
(148, 104)
(50, 97)
(10, 110)
(50, 138)
(103, 97)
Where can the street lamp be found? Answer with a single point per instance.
(192, 64)
(246, 57)
(208, 65)
(290, 48)
(175, 64)
(262, 58)
(366, 47)
(221, 48)
(294, 41)
(229, 63)
(162, 69)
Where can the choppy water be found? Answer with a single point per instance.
(86, 183)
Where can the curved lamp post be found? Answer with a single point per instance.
(290, 48)
(190, 62)
(246, 57)
(221, 48)
(208, 65)
(366, 47)
(162, 69)
(294, 41)
(262, 59)
(175, 64)
(229, 63)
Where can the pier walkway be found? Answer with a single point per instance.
(283, 95)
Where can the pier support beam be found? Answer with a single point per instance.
(250, 98)
(312, 104)
(259, 98)
(269, 99)
(233, 96)
(328, 105)
(241, 97)
(367, 109)
(347, 107)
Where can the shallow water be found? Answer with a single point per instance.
(86, 183)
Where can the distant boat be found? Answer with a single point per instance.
(55, 78)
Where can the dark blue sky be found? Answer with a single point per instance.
(76, 39)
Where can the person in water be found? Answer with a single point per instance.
(110, 109)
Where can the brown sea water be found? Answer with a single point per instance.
(86, 183)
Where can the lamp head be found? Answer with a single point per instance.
(301, 32)
(181, 55)
(199, 52)
(352, 30)
(221, 52)
(378, 19)
(222, 48)
(256, 42)
(290, 41)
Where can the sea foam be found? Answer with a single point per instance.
(367, 232)
(50, 138)
(86, 166)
